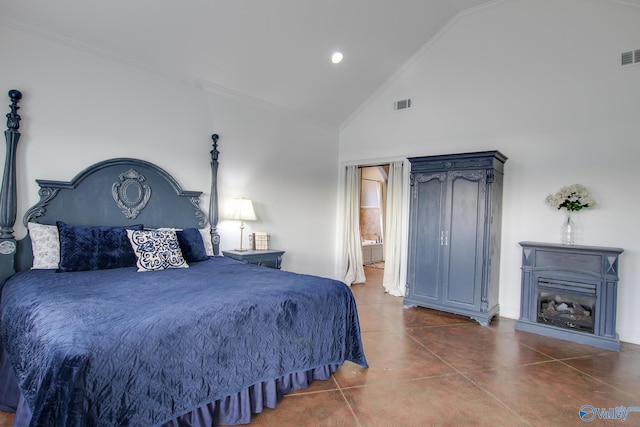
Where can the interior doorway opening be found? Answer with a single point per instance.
(373, 196)
(391, 232)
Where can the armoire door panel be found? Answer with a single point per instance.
(466, 222)
(428, 195)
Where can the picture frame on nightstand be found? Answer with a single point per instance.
(259, 241)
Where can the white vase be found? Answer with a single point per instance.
(568, 231)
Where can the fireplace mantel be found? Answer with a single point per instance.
(581, 273)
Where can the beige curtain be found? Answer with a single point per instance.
(393, 231)
(352, 243)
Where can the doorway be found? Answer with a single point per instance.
(392, 219)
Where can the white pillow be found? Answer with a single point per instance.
(156, 249)
(45, 244)
(206, 239)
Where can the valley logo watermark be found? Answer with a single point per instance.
(589, 413)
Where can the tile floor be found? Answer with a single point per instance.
(429, 368)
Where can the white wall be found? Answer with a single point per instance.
(80, 107)
(540, 81)
(288, 168)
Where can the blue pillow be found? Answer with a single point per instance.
(95, 248)
(191, 245)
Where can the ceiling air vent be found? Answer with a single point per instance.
(631, 57)
(403, 104)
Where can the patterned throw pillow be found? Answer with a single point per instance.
(45, 244)
(156, 249)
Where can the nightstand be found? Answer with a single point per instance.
(267, 258)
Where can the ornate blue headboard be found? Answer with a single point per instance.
(121, 191)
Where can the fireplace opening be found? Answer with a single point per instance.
(565, 308)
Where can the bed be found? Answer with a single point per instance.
(137, 320)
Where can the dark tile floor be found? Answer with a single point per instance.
(429, 368)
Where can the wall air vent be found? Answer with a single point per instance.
(403, 104)
(631, 57)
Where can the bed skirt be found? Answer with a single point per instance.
(231, 410)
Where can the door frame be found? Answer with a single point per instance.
(340, 211)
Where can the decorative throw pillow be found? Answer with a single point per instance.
(156, 249)
(191, 245)
(45, 245)
(206, 239)
(95, 248)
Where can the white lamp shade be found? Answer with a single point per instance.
(241, 210)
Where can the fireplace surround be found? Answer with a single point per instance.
(570, 292)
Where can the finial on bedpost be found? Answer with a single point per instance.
(215, 152)
(8, 200)
(213, 198)
(13, 118)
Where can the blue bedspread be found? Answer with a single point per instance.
(117, 347)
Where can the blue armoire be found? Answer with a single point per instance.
(454, 233)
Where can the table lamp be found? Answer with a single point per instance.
(241, 210)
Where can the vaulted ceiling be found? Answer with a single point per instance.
(273, 51)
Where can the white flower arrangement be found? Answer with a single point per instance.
(572, 198)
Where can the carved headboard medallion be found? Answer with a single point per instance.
(130, 194)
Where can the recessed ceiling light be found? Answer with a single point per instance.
(336, 58)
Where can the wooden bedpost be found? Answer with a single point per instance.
(8, 193)
(213, 198)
